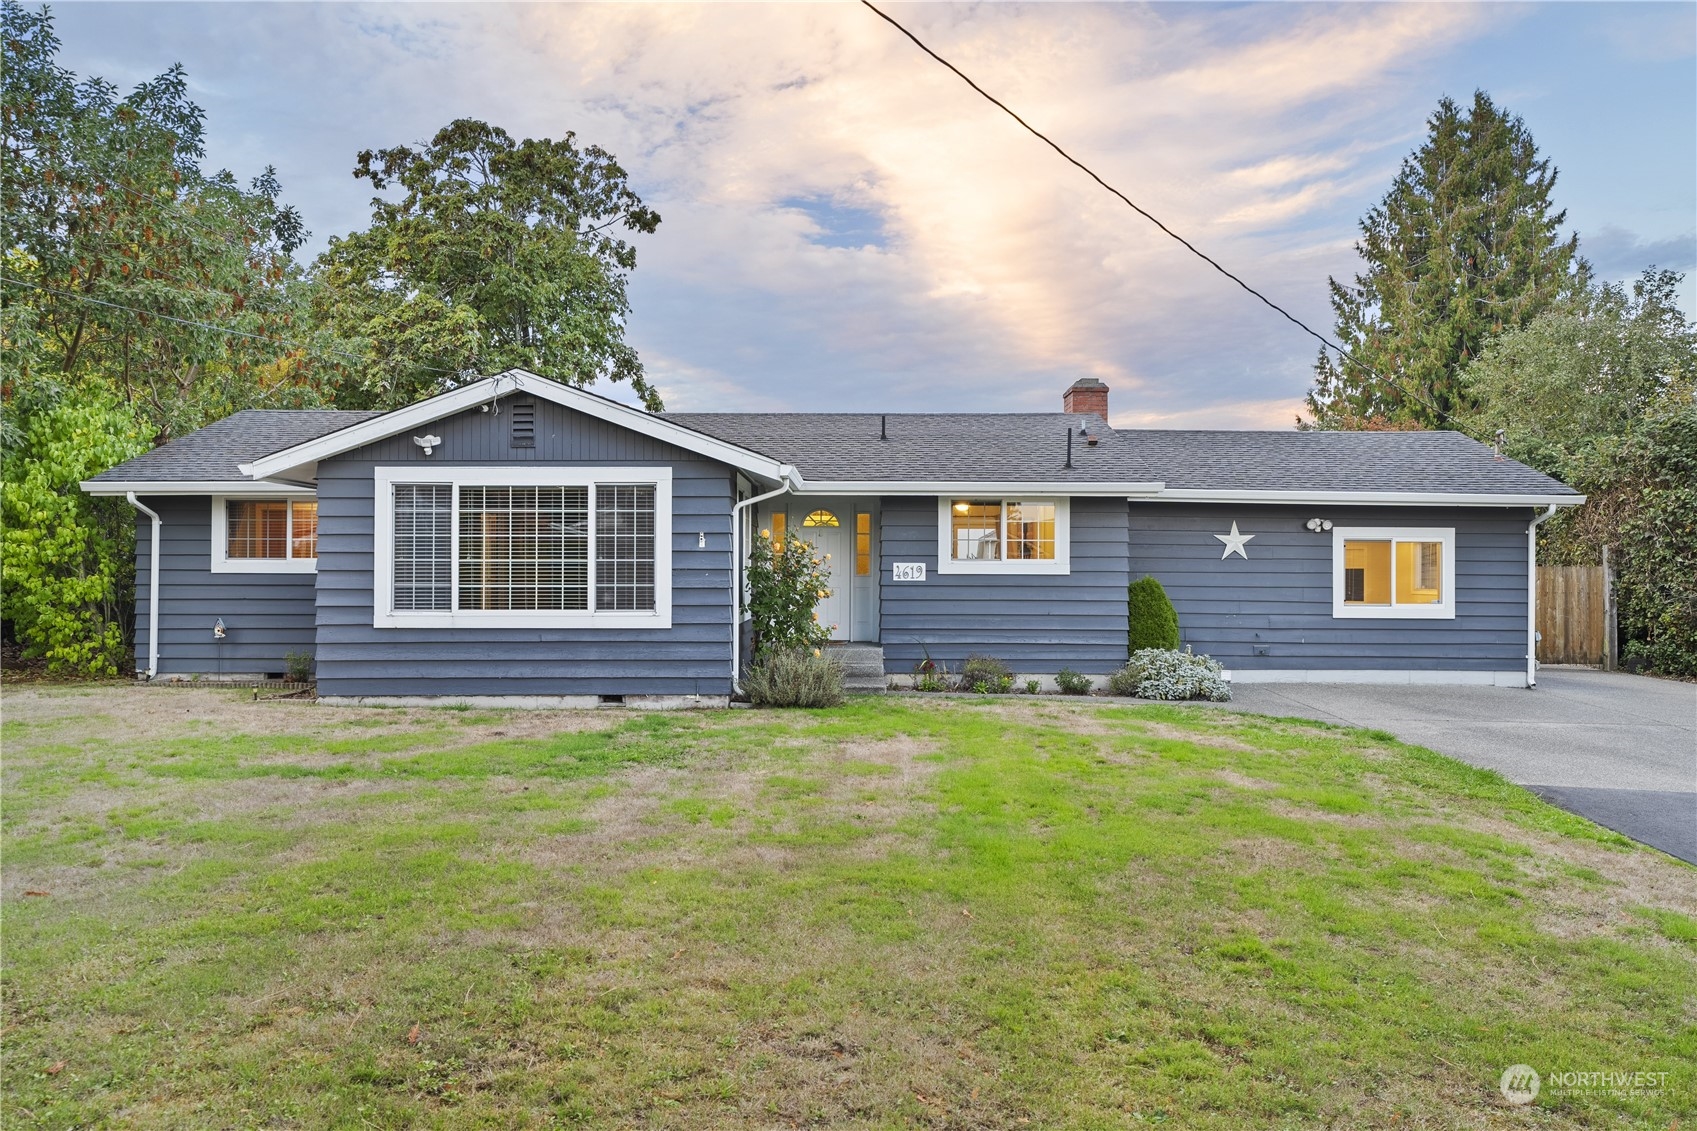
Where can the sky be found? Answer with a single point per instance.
(846, 226)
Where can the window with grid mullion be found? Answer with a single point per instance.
(624, 547)
(423, 547)
(524, 548)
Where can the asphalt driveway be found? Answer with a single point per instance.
(1619, 749)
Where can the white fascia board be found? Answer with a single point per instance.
(505, 384)
(1377, 498)
(194, 487)
(974, 487)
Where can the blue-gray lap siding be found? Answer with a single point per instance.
(266, 615)
(1034, 623)
(693, 657)
(1281, 598)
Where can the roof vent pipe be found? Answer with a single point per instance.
(883, 431)
(1069, 449)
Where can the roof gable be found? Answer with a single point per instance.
(299, 461)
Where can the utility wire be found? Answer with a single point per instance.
(1192, 248)
(208, 325)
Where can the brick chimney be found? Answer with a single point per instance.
(1087, 395)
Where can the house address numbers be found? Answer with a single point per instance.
(907, 571)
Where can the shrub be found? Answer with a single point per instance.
(299, 665)
(787, 579)
(985, 675)
(1072, 683)
(795, 677)
(1154, 621)
(1161, 673)
(1033, 686)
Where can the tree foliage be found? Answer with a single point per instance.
(1601, 392)
(138, 296)
(134, 264)
(497, 254)
(1465, 245)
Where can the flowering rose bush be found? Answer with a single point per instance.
(787, 578)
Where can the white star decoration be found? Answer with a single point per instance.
(1234, 543)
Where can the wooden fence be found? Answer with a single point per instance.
(1573, 614)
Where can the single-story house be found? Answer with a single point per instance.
(517, 538)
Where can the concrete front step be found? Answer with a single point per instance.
(863, 667)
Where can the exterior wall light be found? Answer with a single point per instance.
(428, 443)
(1319, 525)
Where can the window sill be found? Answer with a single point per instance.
(519, 619)
(1015, 568)
(264, 565)
(1393, 612)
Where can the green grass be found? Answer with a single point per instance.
(974, 913)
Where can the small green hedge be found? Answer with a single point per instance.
(1154, 621)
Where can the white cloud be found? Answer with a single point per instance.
(1001, 273)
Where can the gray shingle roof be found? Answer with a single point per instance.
(971, 447)
(985, 447)
(212, 453)
(1005, 447)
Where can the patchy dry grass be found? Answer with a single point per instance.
(897, 913)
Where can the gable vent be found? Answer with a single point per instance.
(523, 425)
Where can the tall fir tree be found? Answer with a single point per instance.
(1466, 244)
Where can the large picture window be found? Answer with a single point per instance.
(981, 535)
(264, 535)
(527, 547)
(1393, 572)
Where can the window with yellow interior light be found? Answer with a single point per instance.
(1393, 572)
(862, 544)
(1003, 535)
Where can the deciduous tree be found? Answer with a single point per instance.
(497, 254)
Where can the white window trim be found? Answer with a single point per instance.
(383, 545)
(222, 562)
(1443, 610)
(1060, 564)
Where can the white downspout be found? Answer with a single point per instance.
(1532, 595)
(152, 587)
(738, 512)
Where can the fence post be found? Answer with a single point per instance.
(1610, 636)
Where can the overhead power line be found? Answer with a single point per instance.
(1135, 207)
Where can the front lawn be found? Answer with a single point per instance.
(975, 913)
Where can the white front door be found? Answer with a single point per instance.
(830, 530)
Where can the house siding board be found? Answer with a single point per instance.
(1035, 623)
(1281, 598)
(693, 657)
(266, 615)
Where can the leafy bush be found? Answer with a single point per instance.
(786, 582)
(986, 675)
(795, 677)
(299, 666)
(1161, 673)
(68, 558)
(1033, 686)
(1072, 683)
(1154, 621)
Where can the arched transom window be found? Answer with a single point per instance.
(821, 518)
